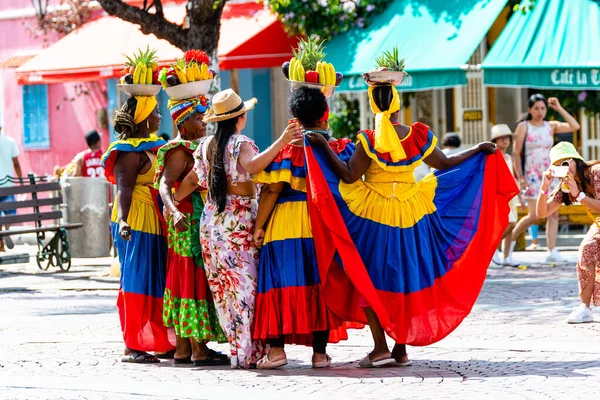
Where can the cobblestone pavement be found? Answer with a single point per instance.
(61, 340)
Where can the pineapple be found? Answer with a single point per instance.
(309, 53)
(390, 61)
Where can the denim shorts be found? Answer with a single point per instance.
(6, 199)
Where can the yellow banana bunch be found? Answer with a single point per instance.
(291, 73)
(180, 74)
(299, 73)
(204, 73)
(196, 70)
(148, 76)
(321, 68)
(189, 73)
(137, 73)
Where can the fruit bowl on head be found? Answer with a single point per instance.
(383, 77)
(327, 90)
(188, 90)
(140, 90)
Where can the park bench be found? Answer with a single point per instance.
(40, 192)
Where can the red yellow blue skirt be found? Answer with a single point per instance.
(290, 301)
(420, 260)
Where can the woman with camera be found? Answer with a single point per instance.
(580, 182)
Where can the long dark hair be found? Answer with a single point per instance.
(217, 178)
(125, 125)
(534, 99)
(582, 168)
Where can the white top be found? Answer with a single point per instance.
(8, 151)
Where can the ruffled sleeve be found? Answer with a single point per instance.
(163, 153)
(235, 172)
(200, 166)
(287, 167)
(136, 145)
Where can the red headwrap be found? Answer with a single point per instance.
(325, 116)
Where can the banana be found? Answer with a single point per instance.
(142, 77)
(322, 74)
(331, 75)
(204, 72)
(136, 74)
(189, 74)
(180, 74)
(292, 73)
(300, 73)
(197, 72)
(148, 75)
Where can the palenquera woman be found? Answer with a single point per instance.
(425, 245)
(290, 306)
(130, 162)
(225, 164)
(188, 303)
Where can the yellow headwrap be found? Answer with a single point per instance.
(386, 138)
(145, 106)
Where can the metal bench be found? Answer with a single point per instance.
(56, 251)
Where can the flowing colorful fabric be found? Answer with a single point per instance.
(415, 252)
(151, 144)
(290, 300)
(142, 285)
(188, 303)
(183, 109)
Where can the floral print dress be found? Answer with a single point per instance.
(230, 257)
(538, 142)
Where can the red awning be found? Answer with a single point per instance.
(251, 37)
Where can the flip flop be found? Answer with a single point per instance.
(166, 356)
(184, 360)
(265, 363)
(8, 242)
(210, 362)
(367, 363)
(137, 357)
(322, 364)
(217, 355)
(404, 364)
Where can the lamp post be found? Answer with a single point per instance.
(41, 7)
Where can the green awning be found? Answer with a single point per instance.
(437, 37)
(556, 46)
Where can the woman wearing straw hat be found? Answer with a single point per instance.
(581, 184)
(226, 164)
(503, 137)
(188, 303)
(129, 163)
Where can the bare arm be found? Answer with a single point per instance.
(175, 165)
(126, 169)
(268, 199)
(438, 159)
(187, 186)
(349, 172)
(255, 163)
(570, 124)
(521, 132)
(17, 166)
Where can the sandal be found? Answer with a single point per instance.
(322, 364)
(367, 363)
(217, 355)
(184, 360)
(211, 362)
(166, 356)
(265, 363)
(140, 357)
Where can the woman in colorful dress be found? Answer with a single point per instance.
(188, 303)
(225, 164)
(290, 305)
(425, 245)
(534, 138)
(129, 163)
(581, 185)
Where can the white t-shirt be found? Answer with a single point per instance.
(8, 151)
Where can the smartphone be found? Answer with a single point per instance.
(560, 171)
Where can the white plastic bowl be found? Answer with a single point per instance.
(393, 77)
(188, 90)
(327, 90)
(141, 90)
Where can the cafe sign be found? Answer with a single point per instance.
(544, 78)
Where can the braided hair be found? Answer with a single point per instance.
(383, 96)
(217, 177)
(125, 125)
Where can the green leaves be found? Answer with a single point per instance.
(390, 59)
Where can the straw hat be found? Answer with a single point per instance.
(500, 130)
(226, 105)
